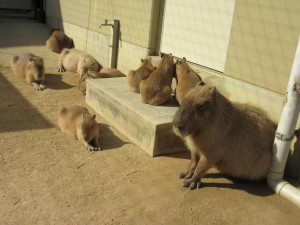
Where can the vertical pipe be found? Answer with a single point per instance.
(114, 44)
(285, 134)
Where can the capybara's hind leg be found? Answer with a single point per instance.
(191, 168)
(195, 180)
(162, 97)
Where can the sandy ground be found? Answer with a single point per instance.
(46, 178)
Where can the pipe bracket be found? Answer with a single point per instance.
(283, 137)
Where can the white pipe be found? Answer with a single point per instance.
(284, 135)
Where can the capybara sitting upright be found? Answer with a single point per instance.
(58, 40)
(104, 73)
(157, 88)
(77, 61)
(186, 79)
(237, 139)
(136, 76)
(77, 122)
(30, 69)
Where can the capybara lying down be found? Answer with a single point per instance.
(30, 69)
(237, 139)
(58, 40)
(77, 61)
(78, 123)
(157, 88)
(136, 76)
(104, 73)
(186, 79)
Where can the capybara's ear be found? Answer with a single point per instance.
(177, 61)
(94, 116)
(184, 59)
(30, 59)
(150, 59)
(212, 91)
(170, 55)
(142, 60)
(201, 83)
(162, 54)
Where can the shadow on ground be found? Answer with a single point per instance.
(108, 140)
(55, 82)
(14, 106)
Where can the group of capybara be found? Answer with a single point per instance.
(237, 139)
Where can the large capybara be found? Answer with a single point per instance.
(104, 73)
(186, 79)
(136, 76)
(77, 61)
(235, 138)
(58, 40)
(30, 69)
(157, 88)
(78, 123)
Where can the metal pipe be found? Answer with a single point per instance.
(114, 41)
(284, 135)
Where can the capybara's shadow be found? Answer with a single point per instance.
(259, 188)
(55, 82)
(108, 140)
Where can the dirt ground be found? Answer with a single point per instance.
(46, 178)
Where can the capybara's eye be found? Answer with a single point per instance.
(202, 106)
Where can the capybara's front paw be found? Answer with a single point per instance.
(61, 69)
(42, 86)
(92, 148)
(38, 87)
(192, 183)
(186, 175)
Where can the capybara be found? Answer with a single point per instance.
(235, 138)
(78, 123)
(157, 88)
(58, 40)
(77, 61)
(186, 79)
(136, 76)
(30, 69)
(104, 73)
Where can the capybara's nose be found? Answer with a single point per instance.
(177, 122)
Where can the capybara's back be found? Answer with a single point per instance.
(77, 61)
(29, 68)
(136, 76)
(77, 122)
(104, 73)
(157, 88)
(186, 79)
(58, 40)
(235, 138)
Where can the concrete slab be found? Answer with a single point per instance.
(147, 126)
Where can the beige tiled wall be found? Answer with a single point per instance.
(263, 42)
(80, 19)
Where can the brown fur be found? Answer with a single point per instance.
(77, 122)
(156, 90)
(136, 76)
(30, 69)
(77, 61)
(235, 138)
(186, 79)
(104, 73)
(58, 40)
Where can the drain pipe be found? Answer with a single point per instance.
(285, 134)
(114, 41)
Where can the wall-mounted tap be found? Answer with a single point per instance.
(105, 24)
(114, 41)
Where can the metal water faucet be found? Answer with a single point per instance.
(105, 24)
